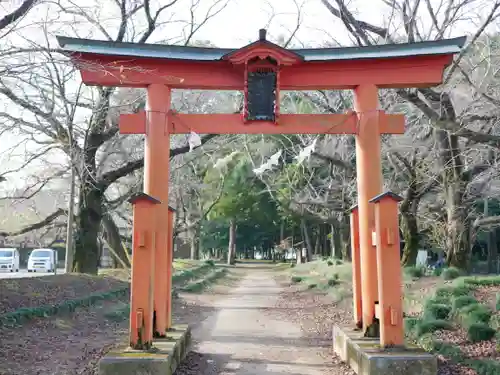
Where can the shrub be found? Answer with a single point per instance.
(474, 313)
(437, 311)
(415, 272)
(451, 273)
(485, 366)
(210, 262)
(443, 300)
(483, 281)
(330, 263)
(411, 324)
(429, 326)
(448, 350)
(296, 279)
(480, 332)
(338, 262)
(437, 271)
(462, 301)
(312, 286)
(480, 315)
(333, 281)
(456, 291)
(460, 290)
(292, 265)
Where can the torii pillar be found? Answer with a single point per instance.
(156, 181)
(369, 181)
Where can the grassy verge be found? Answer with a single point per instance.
(22, 315)
(122, 311)
(198, 286)
(330, 275)
(453, 307)
(178, 264)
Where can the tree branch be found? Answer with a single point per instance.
(41, 224)
(110, 177)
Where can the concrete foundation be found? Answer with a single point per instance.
(162, 359)
(366, 357)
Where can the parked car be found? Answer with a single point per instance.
(42, 260)
(9, 259)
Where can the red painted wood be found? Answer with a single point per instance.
(222, 75)
(263, 49)
(181, 123)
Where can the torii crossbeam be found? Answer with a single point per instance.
(261, 69)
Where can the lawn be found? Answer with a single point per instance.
(454, 316)
(123, 274)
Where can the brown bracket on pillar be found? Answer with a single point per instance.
(390, 306)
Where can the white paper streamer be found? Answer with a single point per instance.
(194, 140)
(272, 161)
(306, 152)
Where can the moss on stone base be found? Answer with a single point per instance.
(162, 359)
(366, 357)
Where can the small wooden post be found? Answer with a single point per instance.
(143, 260)
(390, 308)
(356, 268)
(170, 269)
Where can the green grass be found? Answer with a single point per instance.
(451, 273)
(439, 311)
(429, 326)
(462, 301)
(476, 318)
(329, 275)
(198, 286)
(414, 272)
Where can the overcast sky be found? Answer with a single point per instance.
(236, 26)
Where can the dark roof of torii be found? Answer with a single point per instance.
(161, 51)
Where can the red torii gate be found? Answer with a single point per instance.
(262, 69)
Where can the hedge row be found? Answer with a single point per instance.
(22, 315)
(201, 284)
(25, 314)
(455, 303)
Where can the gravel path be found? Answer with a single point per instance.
(242, 337)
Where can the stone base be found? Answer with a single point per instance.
(163, 359)
(366, 357)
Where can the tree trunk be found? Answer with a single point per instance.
(88, 224)
(457, 234)
(194, 240)
(336, 242)
(317, 243)
(231, 251)
(114, 241)
(345, 230)
(409, 227)
(492, 251)
(307, 239)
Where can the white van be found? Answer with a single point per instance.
(9, 259)
(42, 260)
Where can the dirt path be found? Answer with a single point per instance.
(243, 338)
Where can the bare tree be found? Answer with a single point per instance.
(449, 121)
(78, 122)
